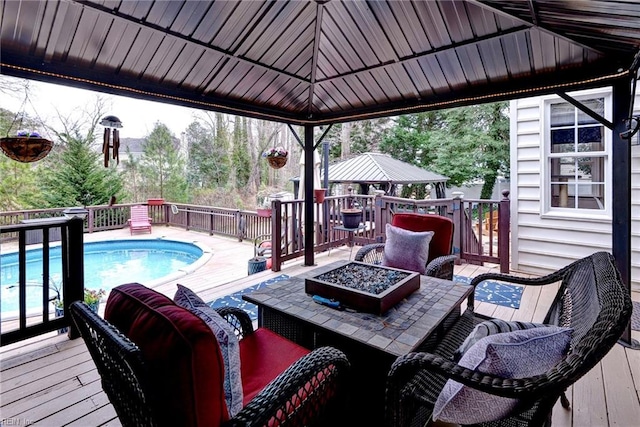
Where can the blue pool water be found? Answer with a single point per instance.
(106, 265)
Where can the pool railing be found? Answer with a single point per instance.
(70, 234)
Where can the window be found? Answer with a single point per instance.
(577, 157)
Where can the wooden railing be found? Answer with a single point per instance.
(481, 226)
(481, 232)
(72, 279)
(481, 235)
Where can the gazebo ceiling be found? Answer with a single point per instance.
(318, 62)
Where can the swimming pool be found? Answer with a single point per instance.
(106, 265)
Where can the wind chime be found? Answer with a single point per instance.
(111, 139)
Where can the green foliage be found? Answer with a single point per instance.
(209, 162)
(162, 167)
(73, 175)
(240, 157)
(134, 181)
(464, 144)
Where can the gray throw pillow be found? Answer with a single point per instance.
(227, 340)
(491, 327)
(405, 249)
(518, 354)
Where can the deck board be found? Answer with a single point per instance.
(50, 380)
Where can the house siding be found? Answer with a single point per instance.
(543, 243)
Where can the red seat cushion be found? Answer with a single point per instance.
(180, 351)
(442, 240)
(264, 355)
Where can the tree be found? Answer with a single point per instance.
(464, 144)
(240, 155)
(162, 166)
(74, 176)
(207, 142)
(132, 171)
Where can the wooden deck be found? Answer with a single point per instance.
(51, 380)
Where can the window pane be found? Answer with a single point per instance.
(591, 139)
(597, 105)
(560, 196)
(584, 168)
(562, 114)
(591, 196)
(562, 140)
(577, 160)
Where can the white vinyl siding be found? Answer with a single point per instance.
(545, 238)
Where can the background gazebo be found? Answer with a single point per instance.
(382, 172)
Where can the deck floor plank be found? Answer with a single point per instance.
(51, 380)
(622, 404)
(589, 404)
(70, 406)
(104, 415)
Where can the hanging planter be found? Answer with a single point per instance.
(277, 162)
(319, 194)
(25, 148)
(277, 157)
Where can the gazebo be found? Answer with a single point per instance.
(314, 63)
(381, 171)
(384, 173)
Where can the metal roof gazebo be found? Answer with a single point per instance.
(384, 172)
(318, 62)
(380, 170)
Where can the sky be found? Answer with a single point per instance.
(137, 117)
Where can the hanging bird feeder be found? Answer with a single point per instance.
(111, 139)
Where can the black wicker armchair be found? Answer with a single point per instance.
(440, 261)
(304, 394)
(592, 300)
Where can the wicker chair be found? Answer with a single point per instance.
(592, 300)
(440, 261)
(301, 395)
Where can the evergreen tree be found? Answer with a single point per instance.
(162, 166)
(208, 164)
(464, 144)
(74, 176)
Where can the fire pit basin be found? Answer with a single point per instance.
(364, 287)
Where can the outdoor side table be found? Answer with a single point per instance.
(351, 231)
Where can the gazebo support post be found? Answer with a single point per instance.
(309, 146)
(621, 202)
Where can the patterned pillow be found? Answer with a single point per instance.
(229, 345)
(518, 354)
(491, 327)
(407, 250)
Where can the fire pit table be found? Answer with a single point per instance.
(372, 342)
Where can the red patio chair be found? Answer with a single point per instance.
(440, 261)
(161, 364)
(140, 219)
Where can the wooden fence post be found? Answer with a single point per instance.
(276, 235)
(458, 222)
(504, 223)
(377, 215)
(73, 269)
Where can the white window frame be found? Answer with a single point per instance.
(548, 211)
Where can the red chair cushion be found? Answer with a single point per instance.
(441, 243)
(264, 355)
(180, 351)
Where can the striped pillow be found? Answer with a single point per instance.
(492, 327)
